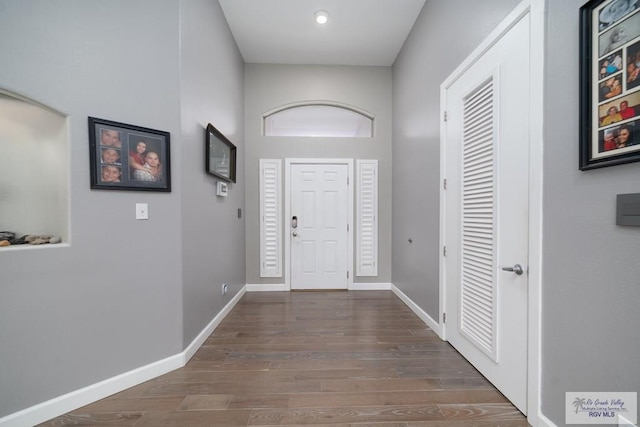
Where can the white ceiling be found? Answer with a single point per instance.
(359, 32)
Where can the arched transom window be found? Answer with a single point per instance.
(320, 119)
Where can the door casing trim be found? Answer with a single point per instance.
(288, 162)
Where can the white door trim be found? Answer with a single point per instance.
(535, 9)
(287, 212)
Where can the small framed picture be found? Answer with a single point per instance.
(128, 157)
(609, 83)
(220, 155)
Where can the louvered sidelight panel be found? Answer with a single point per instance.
(271, 218)
(478, 293)
(367, 214)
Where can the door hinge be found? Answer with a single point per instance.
(347, 274)
(445, 116)
(347, 180)
(347, 227)
(444, 317)
(444, 251)
(444, 183)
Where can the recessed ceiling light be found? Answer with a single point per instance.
(322, 17)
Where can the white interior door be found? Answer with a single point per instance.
(486, 212)
(319, 219)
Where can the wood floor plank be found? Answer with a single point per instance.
(261, 401)
(120, 419)
(210, 402)
(229, 418)
(346, 374)
(395, 398)
(489, 411)
(132, 404)
(311, 416)
(309, 364)
(387, 384)
(226, 366)
(326, 359)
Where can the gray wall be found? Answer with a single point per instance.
(591, 277)
(436, 45)
(211, 90)
(271, 86)
(113, 300)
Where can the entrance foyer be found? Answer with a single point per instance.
(313, 358)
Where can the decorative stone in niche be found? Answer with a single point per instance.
(7, 238)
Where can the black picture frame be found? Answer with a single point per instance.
(128, 157)
(220, 155)
(609, 83)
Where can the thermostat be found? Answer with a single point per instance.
(222, 189)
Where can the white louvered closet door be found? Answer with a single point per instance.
(478, 294)
(486, 212)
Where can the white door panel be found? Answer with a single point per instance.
(486, 211)
(319, 242)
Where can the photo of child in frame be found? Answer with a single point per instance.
(110, 138)
(110, 156)
(110, 174)
(610, 64)
(616, 10)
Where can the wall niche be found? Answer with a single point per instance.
(34, 169)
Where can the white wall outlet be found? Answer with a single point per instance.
(224, 289)
(142, 211)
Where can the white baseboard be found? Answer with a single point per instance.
(280, 287)
(623, 421)
(68, 402)
(208, 330)
(370, 287)
(417, 310)
(542, 421)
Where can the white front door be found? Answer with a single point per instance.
(319, 220)
(486, 215)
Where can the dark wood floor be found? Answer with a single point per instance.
(313, 358)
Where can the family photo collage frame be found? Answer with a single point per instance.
(609, 83)
(128, 157)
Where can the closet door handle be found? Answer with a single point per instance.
(515, 269)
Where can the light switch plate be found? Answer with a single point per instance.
(142, 211)
(222, 189)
